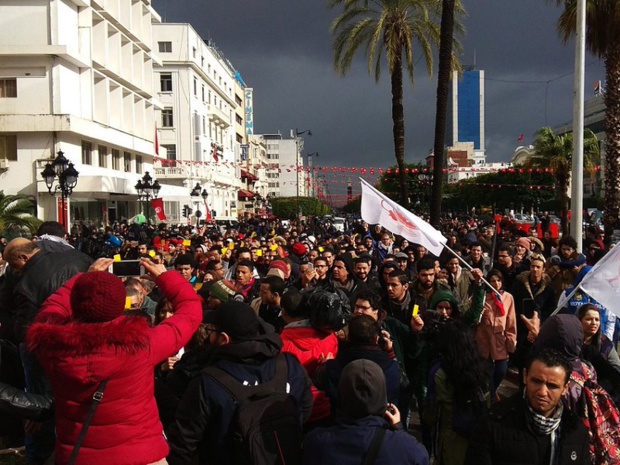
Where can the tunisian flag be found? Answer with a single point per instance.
(158, 206)
(379, 209)
(602, 282)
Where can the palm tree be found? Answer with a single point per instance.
(447, 62)
(16, 211)
(392, 27)
(603, 39)
(555, 152)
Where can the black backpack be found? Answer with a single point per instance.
(266, 426)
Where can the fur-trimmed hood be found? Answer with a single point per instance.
(128, 334)
(524, 278)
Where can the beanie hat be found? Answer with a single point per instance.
(299, 249)
(237, 319)
(98, 296)
(223, 290)
(362, 390)
(525, 242)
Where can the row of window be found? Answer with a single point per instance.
(119, 163)
(273, 156)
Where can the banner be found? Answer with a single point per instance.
(602, 282)
(158, 206)
(379, 209)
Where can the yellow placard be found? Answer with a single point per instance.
(321, 249)
(259, 253)
(231, 245)
(224, 250)
(187, 242)
(274, 247)
(127, 303)
(117, 257)
(152, 253)
(416, 310)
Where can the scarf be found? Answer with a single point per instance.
(543, 426)
(498, 303)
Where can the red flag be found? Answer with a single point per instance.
(208, 215)
(158, 206)
(156, 142)
(215, 157)
(520, 138)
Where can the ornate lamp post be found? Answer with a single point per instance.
(196, 192)
(63, 170)
(425, 180)
(147, 189)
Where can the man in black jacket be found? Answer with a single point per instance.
(248, 349)
(526, 429)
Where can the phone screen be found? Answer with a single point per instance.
(127, 268)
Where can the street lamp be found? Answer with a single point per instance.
(147, 189)
(196, 192)
(311, 178)
(67, 176)
(297, 134)
(425, 180)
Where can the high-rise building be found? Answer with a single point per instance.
(465, 122)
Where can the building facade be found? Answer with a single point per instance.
(77, 77)
(466, 116)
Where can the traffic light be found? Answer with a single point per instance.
(186, 211)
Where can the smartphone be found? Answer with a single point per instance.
(127, 268)
(529, 306)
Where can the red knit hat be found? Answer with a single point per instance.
(299, 249)
(280, 265)
(98, 296)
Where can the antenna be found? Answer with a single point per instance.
(474, 58)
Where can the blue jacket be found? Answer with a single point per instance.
(347, 443)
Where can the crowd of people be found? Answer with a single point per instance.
(305, 344)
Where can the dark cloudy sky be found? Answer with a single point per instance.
(283, 50)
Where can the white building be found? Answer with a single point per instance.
(285, 173)
(199, 125)
(77, 76)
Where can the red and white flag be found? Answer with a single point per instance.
(602, 282)
(158, 206)
(520, 138)
(379, 209)
(156, 141)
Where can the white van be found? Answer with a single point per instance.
(338, 223)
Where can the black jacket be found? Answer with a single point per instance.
(205, 415)
(43, 275)
(505, 439)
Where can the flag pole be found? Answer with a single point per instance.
(469, 267)
(561, 303)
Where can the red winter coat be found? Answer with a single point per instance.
(308, 344)
(77, 356)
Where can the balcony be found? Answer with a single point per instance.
(218, 116)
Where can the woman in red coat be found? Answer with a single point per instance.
(82, 336)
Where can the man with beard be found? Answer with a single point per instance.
(425, 286)
(249, 350)
(363, 273)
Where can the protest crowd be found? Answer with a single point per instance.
(478, 344)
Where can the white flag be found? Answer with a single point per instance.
(379, 209)
(602, 282)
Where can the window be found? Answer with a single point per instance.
(171, 151)
(165, 82)
(238, 100)
(204, 125)
(8, 148)
(195, 87)
(194, 52)
(202, 61)
(138, 164)
(239, 119)
(116, 159)
(103, 156)
(127, 162)
(8, 88)
(166, 118)
(87, 152)
(203, 93)
(240, 138)
(165, 47)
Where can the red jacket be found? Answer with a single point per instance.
(77, 356)
(308, 344)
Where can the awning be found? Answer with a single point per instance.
(248, 175)
(243, 194)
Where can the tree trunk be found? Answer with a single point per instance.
(443, 89)
(612, 129)
(398, 119)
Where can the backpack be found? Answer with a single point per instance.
(466, 417)
(266, 425)
(600, 415)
